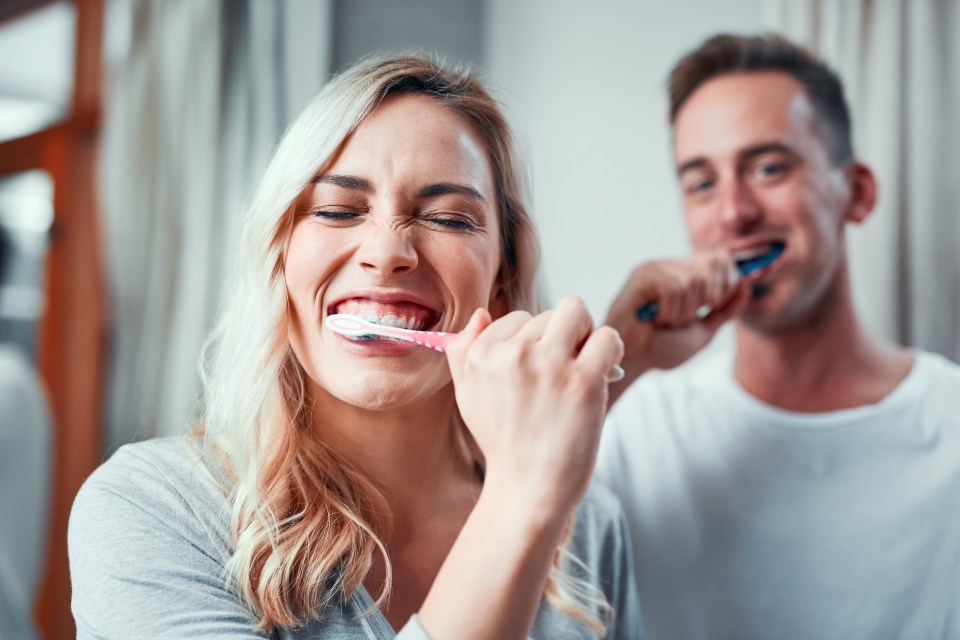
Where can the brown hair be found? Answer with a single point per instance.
(726, 53)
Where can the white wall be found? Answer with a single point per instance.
(449, 28)
(584, 86)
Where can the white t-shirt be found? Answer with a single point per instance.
(750, 522)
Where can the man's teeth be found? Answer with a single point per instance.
(753, 252)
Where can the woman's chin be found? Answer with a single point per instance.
(376, 395)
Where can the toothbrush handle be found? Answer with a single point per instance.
(436, 340)
(647, 311)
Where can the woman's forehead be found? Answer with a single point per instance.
(414, 136)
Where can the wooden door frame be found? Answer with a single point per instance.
(74, 326)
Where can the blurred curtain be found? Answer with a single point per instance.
(200, 91)
(900, 61)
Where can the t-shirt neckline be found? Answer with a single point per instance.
(905, 391)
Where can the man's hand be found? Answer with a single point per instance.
(696, 296)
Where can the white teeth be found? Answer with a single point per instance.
(389, 320)
(400, 322)
(753, 252)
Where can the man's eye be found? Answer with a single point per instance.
(696, 187)
(770, 171)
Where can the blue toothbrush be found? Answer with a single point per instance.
(648, 311)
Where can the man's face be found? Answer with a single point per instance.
(754, 171)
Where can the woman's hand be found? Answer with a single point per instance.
(533, 392)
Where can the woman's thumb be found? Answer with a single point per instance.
(457, 350)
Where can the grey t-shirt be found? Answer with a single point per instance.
(149, 538)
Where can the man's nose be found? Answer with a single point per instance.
(387, 250)
(739, 209)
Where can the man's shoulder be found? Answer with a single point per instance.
(934, 377)
(937, 365)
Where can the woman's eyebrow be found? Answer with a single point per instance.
(346, 182)
(446, 188)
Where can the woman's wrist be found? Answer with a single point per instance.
(492, 582)
(533, 502)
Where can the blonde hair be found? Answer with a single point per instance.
(306, 524)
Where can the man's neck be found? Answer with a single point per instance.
(827, 363)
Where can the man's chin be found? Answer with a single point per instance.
(766, 313)
(759, 291)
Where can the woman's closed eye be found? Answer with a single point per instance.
(331, 215)
(449, 221)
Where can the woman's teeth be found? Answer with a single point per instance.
(397, 315)
(400, 322)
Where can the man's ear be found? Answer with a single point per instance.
(863, 192)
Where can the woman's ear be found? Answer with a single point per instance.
(863, 192)
(497, 306)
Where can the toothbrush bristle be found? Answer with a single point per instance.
(753, 264)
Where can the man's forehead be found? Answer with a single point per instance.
(739, 111)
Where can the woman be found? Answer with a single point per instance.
(340, 488)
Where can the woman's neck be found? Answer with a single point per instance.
(411, 452)
(421, 458)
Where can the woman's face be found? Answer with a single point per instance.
(401, 228)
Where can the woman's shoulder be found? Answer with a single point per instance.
(599, 555)
(600, 507)
(149, 541)
(155, 483)
(600, 537)
(156, 469)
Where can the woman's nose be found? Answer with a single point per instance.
(387, 250)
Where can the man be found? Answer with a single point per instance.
(806, 486)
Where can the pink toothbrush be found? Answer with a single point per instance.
(356, 327)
